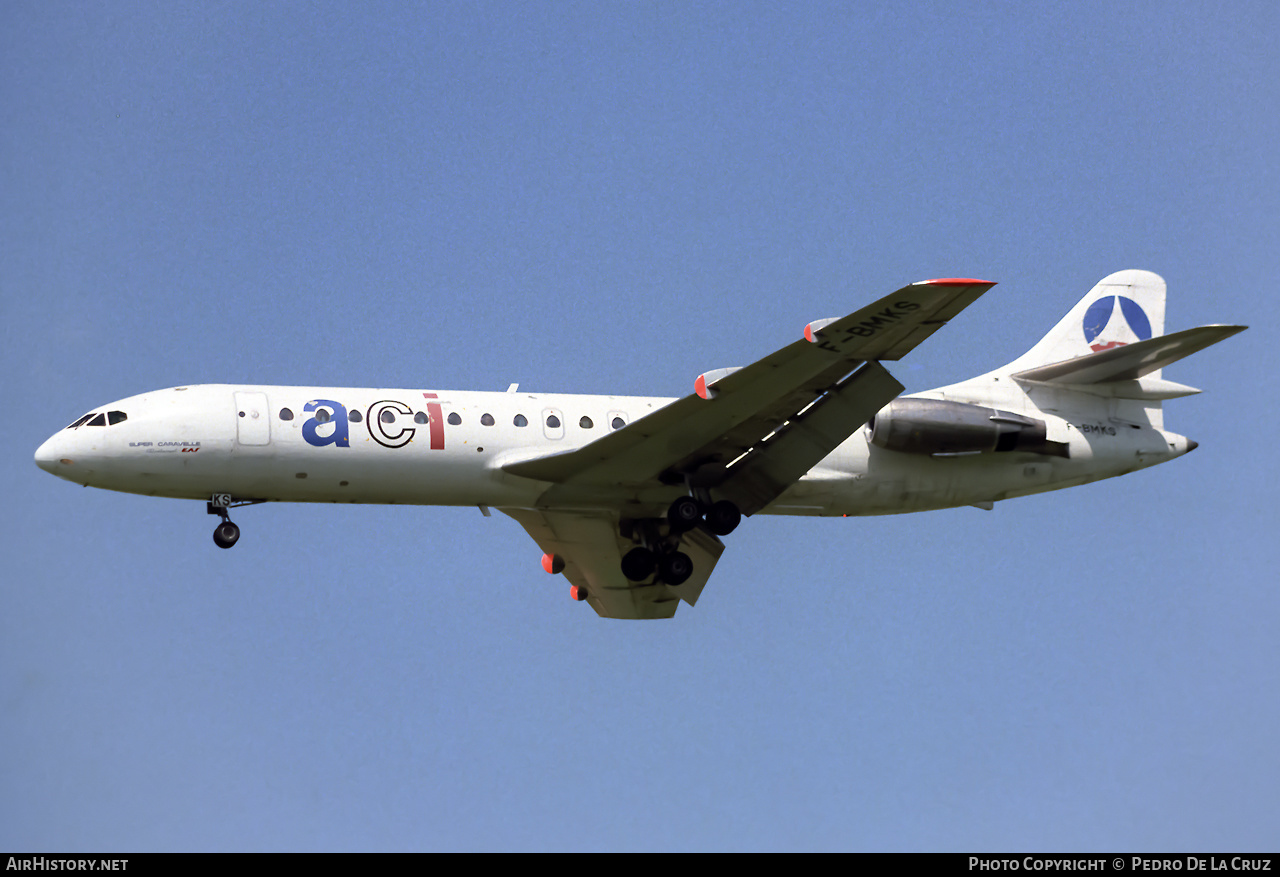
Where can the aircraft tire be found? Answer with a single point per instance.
(723, 518)
(684, 514)
(676, 568)
(638, 564)
(226, 534)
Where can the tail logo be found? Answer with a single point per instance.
(1106, 326)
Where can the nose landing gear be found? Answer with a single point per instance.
(226, 533)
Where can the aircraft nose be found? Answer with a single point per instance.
(50, 456)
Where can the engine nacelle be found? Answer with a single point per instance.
(935, 426)
(705, 385)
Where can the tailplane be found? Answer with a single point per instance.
(1129, 362)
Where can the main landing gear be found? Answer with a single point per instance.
(226, 533)
(721, 518)
(661, 558)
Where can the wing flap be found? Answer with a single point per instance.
(781, 459)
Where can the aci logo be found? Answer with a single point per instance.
(388, 422)
(1107, 326)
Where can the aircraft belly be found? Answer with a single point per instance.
(371, 475)
(291, 474)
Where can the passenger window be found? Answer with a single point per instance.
(420, 417)
(354, 416)
(100, 420)
(586, 423)
(286, 414)
(454, 418)
(521, 420)
(114, 417)
(322, 415)
(386, 416)
(486, 420)
(553, 422)
(618, 423)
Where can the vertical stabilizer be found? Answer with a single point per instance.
(1123, 308)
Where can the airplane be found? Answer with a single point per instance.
(630, 497)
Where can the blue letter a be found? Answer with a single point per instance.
(339, 436)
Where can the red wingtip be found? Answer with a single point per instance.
(700, 386)
(956, 281)
(808, 332)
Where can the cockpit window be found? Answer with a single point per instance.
(100, 420)
(114, 417)
(81, 421)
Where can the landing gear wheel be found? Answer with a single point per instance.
(676, 568)
(723, 518)
(638, 564)
(684, 514)
(226, 534)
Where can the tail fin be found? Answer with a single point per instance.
(1123, 308)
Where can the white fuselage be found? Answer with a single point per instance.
(313, 444)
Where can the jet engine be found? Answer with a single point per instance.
(935, 426)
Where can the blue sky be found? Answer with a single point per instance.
(615, 198)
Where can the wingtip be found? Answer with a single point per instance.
(956, 281)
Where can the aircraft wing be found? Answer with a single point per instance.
(750, 433)
(592, 549)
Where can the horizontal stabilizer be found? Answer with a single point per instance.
(1130, 361)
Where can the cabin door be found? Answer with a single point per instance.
(253, 422)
